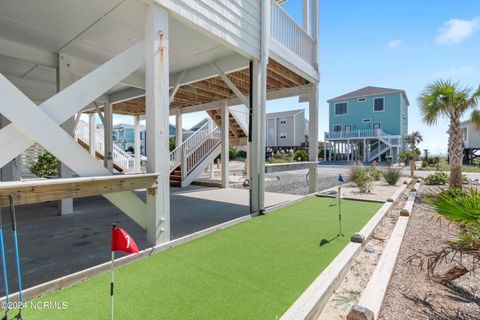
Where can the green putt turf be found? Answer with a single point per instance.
(253, 270)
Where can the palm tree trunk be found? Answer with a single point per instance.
(456, 153)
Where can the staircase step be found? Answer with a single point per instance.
(175, 178)
(177, 184)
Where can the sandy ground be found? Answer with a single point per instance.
(411, 295)
(363, 266)
(381, 190)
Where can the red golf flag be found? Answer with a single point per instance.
(122, 241)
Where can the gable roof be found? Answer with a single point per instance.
(370, 91)
(283, 113)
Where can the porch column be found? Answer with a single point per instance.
(12, 170)
(254, 135)
(349, 149)
(107, 135)
(364, 150)
(211, 168)
(136, 143)
(225, 145)
(157, 113)
(306, 15)
(92, 133)
(64, 79)
(313, 138)
(178, 128)
(325, 150)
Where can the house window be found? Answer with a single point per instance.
(376, 125)
(337, 128)
(367, 120)
(340, 108)
(378, 104)
(464, 134)
(362, 99)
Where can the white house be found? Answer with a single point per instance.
(286, 129)
(149, 60)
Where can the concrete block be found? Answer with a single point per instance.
(360, 313)
(358, 238)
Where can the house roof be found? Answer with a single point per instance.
(288, 113)
(370, 91)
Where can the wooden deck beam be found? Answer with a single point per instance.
(35, 191)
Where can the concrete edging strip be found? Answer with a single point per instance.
(366, 232)
(310, 304)
(399, 191)
(370, 302)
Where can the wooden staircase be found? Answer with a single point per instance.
(237, 135)
(194, 157)
(176, 177)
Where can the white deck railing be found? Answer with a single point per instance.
(367, 133)
(120, 157)
(290, 34)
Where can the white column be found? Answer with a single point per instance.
(211, 168)
(265, 38)
(306, 15)
(157, 113)
(313, 137)
(364, 150)
(225, 145)
(64, 79)
(108, 132)
(178, 128)
(136, 143)
(325, 150)
(255, 135)
(92, 125)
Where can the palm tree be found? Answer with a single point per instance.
(413, 139)
(445, 99)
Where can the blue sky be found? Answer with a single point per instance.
(398, 44)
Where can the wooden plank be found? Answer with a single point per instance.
(34, 191)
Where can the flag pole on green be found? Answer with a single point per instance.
(340, 180)
(121, 241)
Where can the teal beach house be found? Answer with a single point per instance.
(367, 124)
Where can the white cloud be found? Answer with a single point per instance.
(456, 30)
(395, 43)
(455, 72)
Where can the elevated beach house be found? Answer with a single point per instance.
(151, 60)
(367, 124)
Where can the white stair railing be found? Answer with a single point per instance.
(194, 149)
(120, 157)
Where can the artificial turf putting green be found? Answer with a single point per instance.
(253, 270)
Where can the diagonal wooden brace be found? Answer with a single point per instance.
(72, 99)
(31, 123)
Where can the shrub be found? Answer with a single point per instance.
(392, 175)
(241, 154)
(46, 165)
(362, 178)
(463, 206)
(375, 173)
(171, 143)
(300, 155)
(232, 153)
(437, 178)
